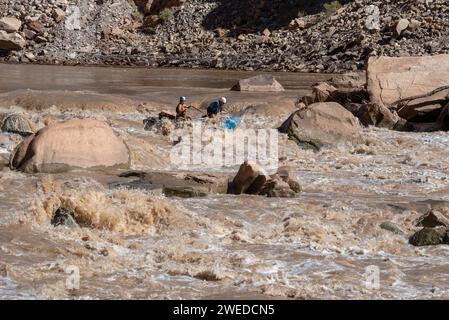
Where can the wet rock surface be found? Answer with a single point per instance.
(253, 179)
(392, 227)
(172, 184)
(430, 237)
(63, 217)
(17, 123)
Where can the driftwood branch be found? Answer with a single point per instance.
(431, 93)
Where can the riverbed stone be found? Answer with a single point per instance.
(58, 15)
(374, 114)
(17, 123)
(429, 237)
(322, 124)
(173, 184)
(277, 188)
(402, 25)
(392, 227)
(63, 217)
(183, 192)
(249, 179)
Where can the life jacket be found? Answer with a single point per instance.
(214, 107)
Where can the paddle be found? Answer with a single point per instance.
(195, 108)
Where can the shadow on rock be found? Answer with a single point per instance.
(256, 15)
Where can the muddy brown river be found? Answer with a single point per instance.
(325, 244)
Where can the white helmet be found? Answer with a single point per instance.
(223, 100)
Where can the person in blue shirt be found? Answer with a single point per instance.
(215, 107)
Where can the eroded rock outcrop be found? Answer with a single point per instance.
(391, 79)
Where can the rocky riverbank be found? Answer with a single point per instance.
(262, 35)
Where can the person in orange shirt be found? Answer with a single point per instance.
(181, 108)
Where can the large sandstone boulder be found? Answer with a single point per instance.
(74, 144)
(260, 83)
(322, 124)
(11, 41)
(10, 24)
(392, 79)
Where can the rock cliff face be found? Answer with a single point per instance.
(294, 35)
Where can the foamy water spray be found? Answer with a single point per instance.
(214, 148)
(73, 280)
(372, 277)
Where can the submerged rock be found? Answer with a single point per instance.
(282, 184)
(429, 237)
(390, 226)
(185, 185)
(183, 192)
(74, 144)
(322, 124)
(63, 217)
